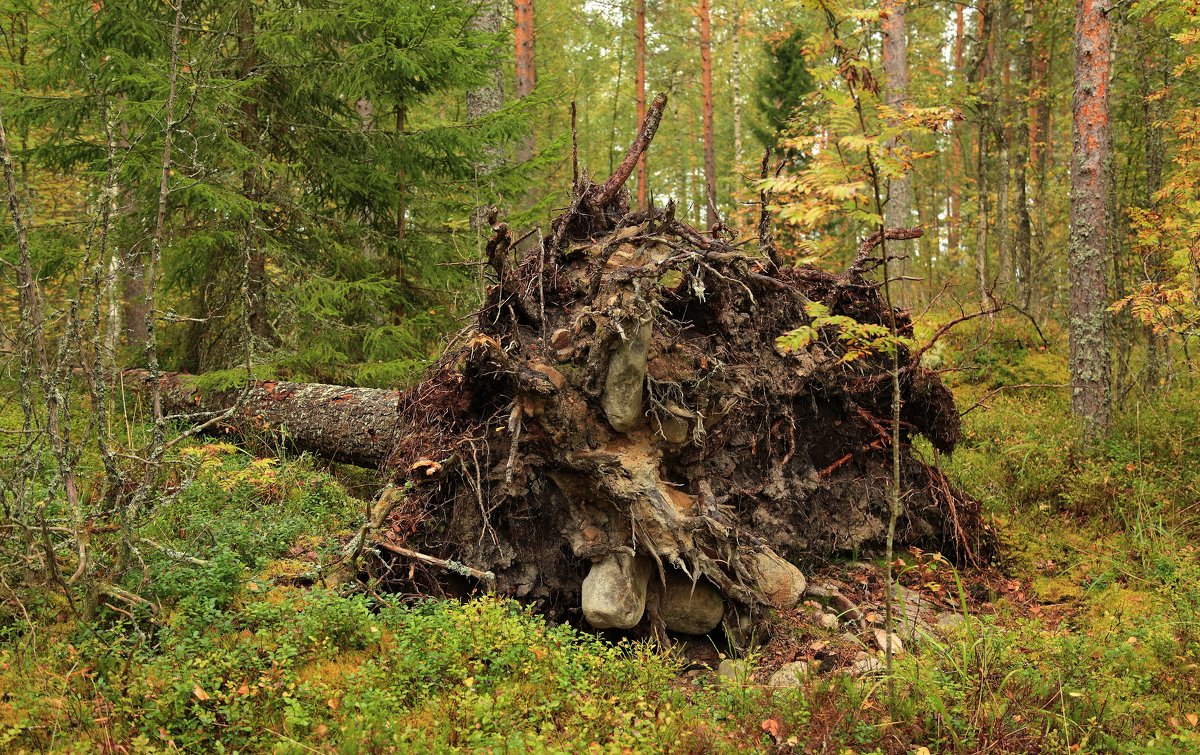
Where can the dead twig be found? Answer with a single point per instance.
(447, 564)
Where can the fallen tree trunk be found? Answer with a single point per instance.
(620, 434)
(350, 425)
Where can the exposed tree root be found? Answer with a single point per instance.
(618, 430)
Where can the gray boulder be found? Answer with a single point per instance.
(624, 383)
(781, 582)
(614, 591)
(790, 675)
(690, 608)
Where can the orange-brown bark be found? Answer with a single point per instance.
(1091, 141)
(706, 114)
(640, 90)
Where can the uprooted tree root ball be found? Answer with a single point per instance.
(619, 433)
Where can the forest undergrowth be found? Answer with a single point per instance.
(1082, 636)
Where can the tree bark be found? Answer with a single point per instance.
(640, 94)
(1091, 143)
(899, 208)
(247, 61)
(957, 166)
(349, 425)
(483, 101)
(736, 83)
(982, 157)
(1024, 234)
(706, 109)
(526, 64)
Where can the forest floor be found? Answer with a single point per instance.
(1083, 635)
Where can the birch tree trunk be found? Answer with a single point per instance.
(898, 210)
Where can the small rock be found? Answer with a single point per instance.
(675, 430)
(524, 582)
(690, 608)
(779, 582)
(829, 621)
(790, 675)
(735, 671)
(561, 339)
(741, 630)
(614, 591)
(948, 620)
(869, 665)
(881, 640)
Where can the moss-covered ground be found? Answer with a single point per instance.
(1083, 636)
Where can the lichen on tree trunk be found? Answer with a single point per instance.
(1089, 359)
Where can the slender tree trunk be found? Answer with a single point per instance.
(1039, 146)
(247, 61)
(133, 285)
(982, 158)
(526, 70)
(736, 75)
(401, 205)
(640, 94)
(957, 166)
(134, 295)
(1002, 168)
(1024, 234)
(1150, 56)
(898, 210)
(706, 112)
(1091, 143)
(483, 101)
(981, 218)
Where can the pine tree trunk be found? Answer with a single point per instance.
(736, 75)
(526, 64)
(1091, 143)
(706, 110)
(899, 207)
